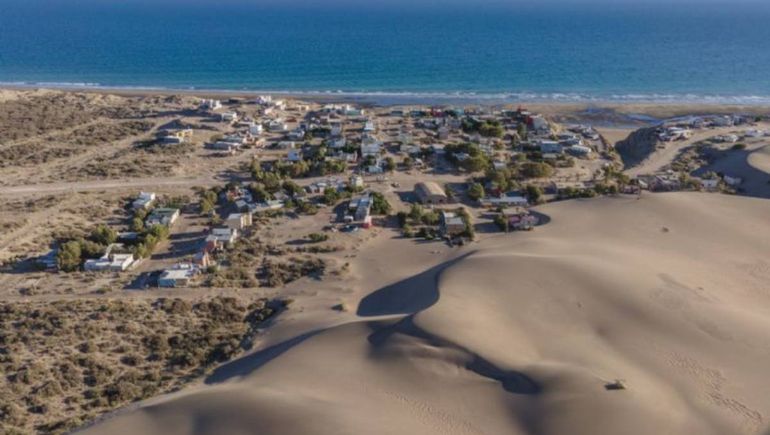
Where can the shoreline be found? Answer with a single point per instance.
(750, 104)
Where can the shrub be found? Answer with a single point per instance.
(104, 235)
(69, 256)
(380, 205)
(476, 191)
(318, 237)
(534, 193)
(536, 170)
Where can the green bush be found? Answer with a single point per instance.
(69, 256)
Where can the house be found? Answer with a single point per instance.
(179, 275)
(336, 129)
(369, 127)
(277, 125)
(162, 216)
(238, 221)
(732, 181)
(579, 151)
(202, 259)
(430, 193)
(143, 201)
(207, 105)
(228, 117)
(505, 201)
(722, 121)
(363, 208)
(296, 134)
(255, 129)
(294, 156)
(727, 138)
(550, 147)
(337, 143)
(357, 181)
(375, 169)
(222, 236)
(349, 110)
(451, 223)
(711, 184)
(286, 145)
(539, 124)
(370, 148)
(109, 262)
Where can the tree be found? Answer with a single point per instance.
(476, 191)
(521, 129)
(402, 218)
(408, 162)
(430, 218)
(534, 193)
(90, 249)
(491, 129)
(69, 256)
(501, 220)
(331, 196)
(137, 224)
(390, 164)
(380, 205)
(292, 189)
(415, 213)
(207, 207)
(104, 235)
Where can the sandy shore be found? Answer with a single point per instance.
(603, 111)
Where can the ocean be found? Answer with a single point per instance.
(528, 51)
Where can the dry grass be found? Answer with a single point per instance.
(66, 362)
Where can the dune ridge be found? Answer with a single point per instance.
(522, 334)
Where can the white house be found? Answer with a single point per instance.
(238, 221)
(255, 129)
(109, 262)
(222, 236)
(210, 105)
(143, 201)
(179, 275)
(228, 116)
(277, 125)
(162, 216)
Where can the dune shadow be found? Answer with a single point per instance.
(542, 219)
(512, 381)
(252, 362)
(407, 296)
(735, 163)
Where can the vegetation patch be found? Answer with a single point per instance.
(65, 362)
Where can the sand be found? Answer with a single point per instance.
(520, 334)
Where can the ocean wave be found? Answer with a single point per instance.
(417, 97)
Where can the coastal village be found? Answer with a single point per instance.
(339, 170)
(225, 209)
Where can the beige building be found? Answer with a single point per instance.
(430, 193)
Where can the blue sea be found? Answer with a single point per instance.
(512, 50)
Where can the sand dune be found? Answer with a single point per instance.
(520, 334)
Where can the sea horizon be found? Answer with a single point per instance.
(594, 53)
